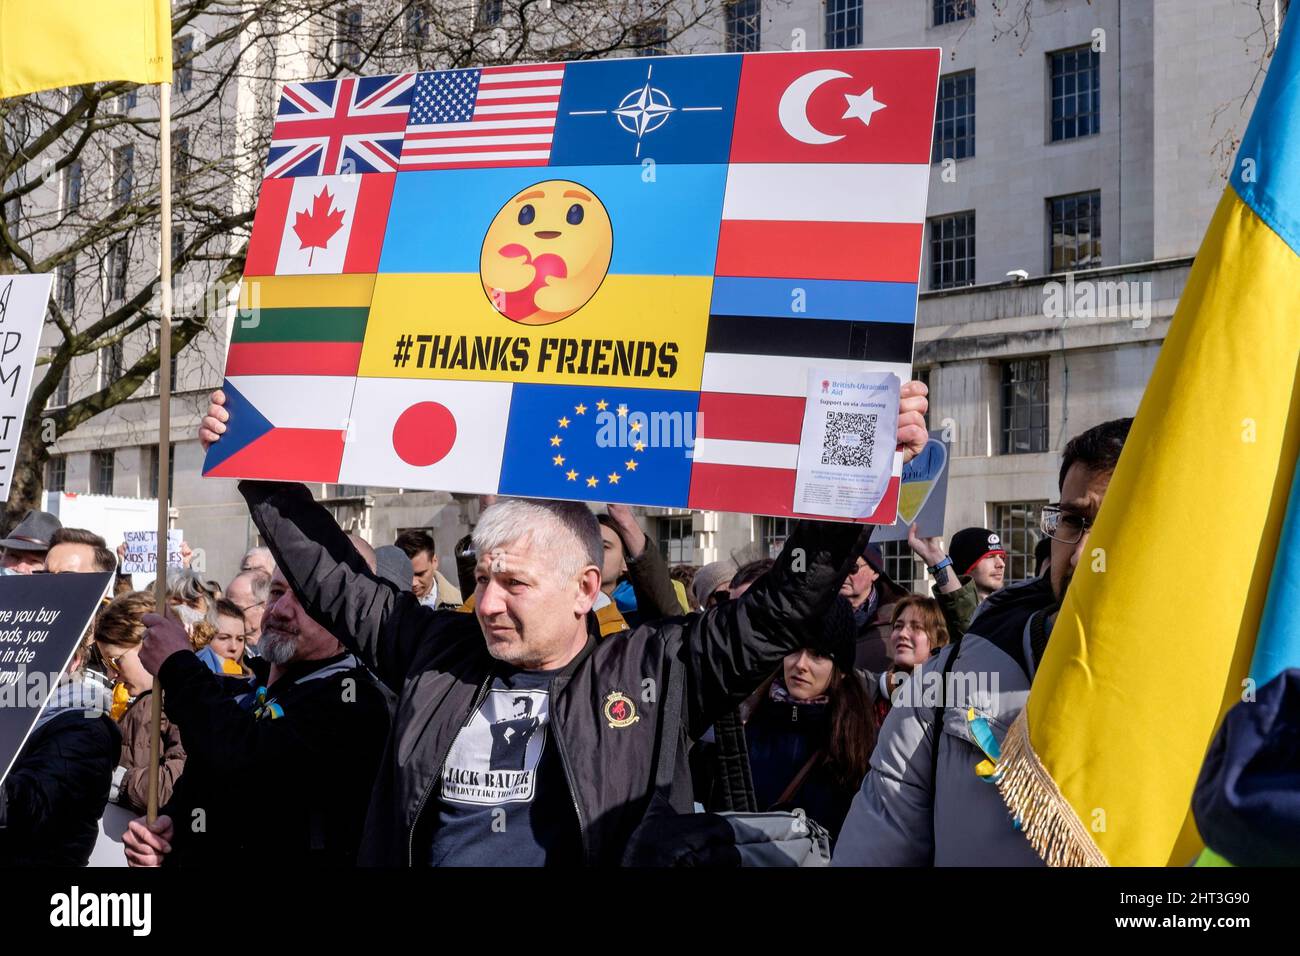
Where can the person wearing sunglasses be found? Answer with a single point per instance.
(919, 807)
(118, 633)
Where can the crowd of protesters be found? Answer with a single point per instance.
(573, 700)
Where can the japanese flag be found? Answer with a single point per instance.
(438, 435)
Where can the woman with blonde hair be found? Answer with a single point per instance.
(917, 631)
(119, 631)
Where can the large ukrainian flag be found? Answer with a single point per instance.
(50, 43)
(1183, 571)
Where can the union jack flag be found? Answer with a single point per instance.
(355, 125)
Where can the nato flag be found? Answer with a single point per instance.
(668, 109)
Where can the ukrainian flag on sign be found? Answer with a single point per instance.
(1101, 765)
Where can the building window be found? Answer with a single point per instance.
(843, 24)
(952, 251)
(128, 100)
(1024, 406)
(417, 26)
(180, 155)
(1076, 93)
(899, 564)
(72, 187)
(123, 174)
(178, 242)
(744, 19)
(954, 118)
(56, 473)
(926, 377)
(950, 11)
(101, 472)
(348, 39)
(182, 57)
(66, 295)
(1075, 223)
(771, 534)
(111, 364)
(489, 12)
(117, 271)
(1016, 523)
(651, 39)
(59, 397)
(171, 471)
(676, 539)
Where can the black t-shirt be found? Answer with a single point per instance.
(504, 800)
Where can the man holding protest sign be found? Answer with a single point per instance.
(469, 777)
(303, 752)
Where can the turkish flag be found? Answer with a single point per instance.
(838, 106)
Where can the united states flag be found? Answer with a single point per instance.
(327, 127)
(498, 116)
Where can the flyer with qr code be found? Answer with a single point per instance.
(846, 449)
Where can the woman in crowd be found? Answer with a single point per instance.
(118, 633)
(186, 589)
(917, 632)
(808, 730)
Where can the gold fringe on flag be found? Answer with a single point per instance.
(1048, 821)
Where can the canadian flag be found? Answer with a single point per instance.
(320, 225)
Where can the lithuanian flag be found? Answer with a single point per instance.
(1156, 637)
(50, 43)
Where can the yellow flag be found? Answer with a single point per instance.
(46, 44)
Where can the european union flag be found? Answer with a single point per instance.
(669, 109)
(594, 443)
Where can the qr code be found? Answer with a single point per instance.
(850, 439)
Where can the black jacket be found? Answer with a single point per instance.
(290, 791)
(52, 800)
(438, 662)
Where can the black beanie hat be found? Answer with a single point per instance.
(838, 635)
(969, 545)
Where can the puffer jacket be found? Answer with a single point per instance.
(438, 663)
(54, 795)
(912, 811)
(132, 776)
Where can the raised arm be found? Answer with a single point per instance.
(368, 615)
(732, 648)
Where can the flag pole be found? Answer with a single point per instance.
(164, 414)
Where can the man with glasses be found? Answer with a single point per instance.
(249, 591)
(920, 805)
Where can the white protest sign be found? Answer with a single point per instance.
(846, 449)
(142, 551)
(22, 313)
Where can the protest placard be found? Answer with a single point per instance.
(22, 313)
(598, 280)
(923, 498)
(142, 551)
(43, 618)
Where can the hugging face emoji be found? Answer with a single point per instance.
(546, 252)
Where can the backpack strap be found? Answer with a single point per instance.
(670, 727)
(938, 734)
(797, 781)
